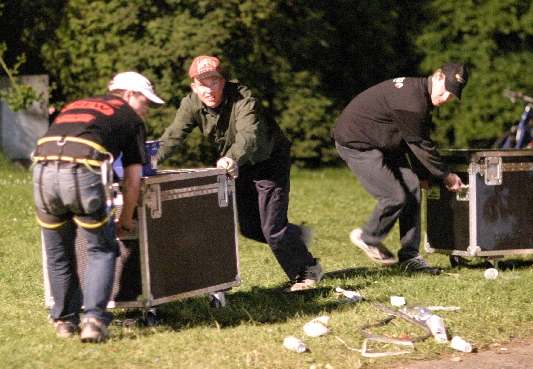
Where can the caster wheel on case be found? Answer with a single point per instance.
(217, 300)
(454, 261)
(458, 261)
(150, 318)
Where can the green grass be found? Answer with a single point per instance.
(249, 332)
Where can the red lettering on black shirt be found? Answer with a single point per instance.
(100, 107)
(75, 118)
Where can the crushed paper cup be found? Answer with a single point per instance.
(317, 327)
(491, 273)
(397, 300)
(351, 295)
(294, 344)
(459, 344)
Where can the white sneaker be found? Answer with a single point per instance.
(378, 253)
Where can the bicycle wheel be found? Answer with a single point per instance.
(500, 142)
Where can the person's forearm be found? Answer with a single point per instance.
(175, 133)
(130, 195)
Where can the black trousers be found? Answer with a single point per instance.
(262, 205)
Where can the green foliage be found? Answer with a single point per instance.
(304, 60)
(494, 39)
(302, 119)
(18, 96)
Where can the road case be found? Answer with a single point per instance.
(186, 243)
(491, 217)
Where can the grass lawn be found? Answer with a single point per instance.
(249, 332)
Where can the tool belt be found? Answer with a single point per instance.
(71, 149)
(80, 151)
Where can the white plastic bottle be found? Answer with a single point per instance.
(294, 344)
(417, 311)
(436, 325)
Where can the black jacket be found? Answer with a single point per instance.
(393, 116)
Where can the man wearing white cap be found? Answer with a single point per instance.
(71, 179)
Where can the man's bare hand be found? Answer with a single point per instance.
(230, 165)
(453, 182)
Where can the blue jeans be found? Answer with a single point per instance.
(66, 194)
(389, 179)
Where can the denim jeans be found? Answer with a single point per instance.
(389, 179)
(58, 197)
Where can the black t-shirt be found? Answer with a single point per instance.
(390, 115)
(107, 120)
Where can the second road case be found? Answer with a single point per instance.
(186, 244)
(492, 216)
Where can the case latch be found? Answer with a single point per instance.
(155, 201)
(222, 180)
(493, 172)
(463, 194)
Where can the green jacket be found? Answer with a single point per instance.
(240, 131)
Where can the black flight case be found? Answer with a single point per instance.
(492, 216)
(186, 243)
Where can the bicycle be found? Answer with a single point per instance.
(520, 135)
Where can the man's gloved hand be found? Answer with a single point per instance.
(230, 165)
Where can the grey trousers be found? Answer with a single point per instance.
(390, 180)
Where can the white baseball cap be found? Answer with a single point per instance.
(135, 82)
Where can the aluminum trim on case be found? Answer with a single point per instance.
(181, 174)
(472, 212)
(427, 246)
(202, 291)
(144, 258)
(222, 180)
(155, 196)
(179, 193)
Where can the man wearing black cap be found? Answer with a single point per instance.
(383, 135)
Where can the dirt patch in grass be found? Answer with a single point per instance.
(517, 354)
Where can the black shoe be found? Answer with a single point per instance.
(93, 330)
(311, 275)
(64, 329)
(419, 264)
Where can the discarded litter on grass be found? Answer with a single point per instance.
(352, 296)
(445, 308)
(317, 327)
(397, 300)
(365, 353)
(294, 344)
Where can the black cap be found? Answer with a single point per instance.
(456, 77)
